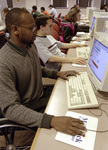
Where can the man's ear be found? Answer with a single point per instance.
(41, 27)
(14, 28)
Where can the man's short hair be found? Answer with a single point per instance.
(34, 7)
(43, 8)
(51, 6)
(14, 17)
(42, 20)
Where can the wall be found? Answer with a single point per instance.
(39, 3)
(30, 3)
(97, 4)
(3, 4)
(20, 4)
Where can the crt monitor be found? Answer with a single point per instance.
(92, 24)
(98, 24)
(105, 29)
(91, 30)
(91, 11)
(88, 11)
(97, 65)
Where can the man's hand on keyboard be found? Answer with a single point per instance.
(64, 74)
(79, 60)
(68, 125)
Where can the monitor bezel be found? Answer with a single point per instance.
(101, 86)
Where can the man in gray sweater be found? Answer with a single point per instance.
(22, 97)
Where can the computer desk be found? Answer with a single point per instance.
(45, 138)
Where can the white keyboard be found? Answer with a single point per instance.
(80, 93)
(83, 52)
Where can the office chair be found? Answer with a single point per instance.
(59, 15)
(2, 38)
(55, 27)
(53, 16)
(57, 22)
(42, 63)
(56, 36)
(14, 136)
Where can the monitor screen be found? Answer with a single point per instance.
(98, 59)
(92, 24)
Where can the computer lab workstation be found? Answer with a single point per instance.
(84, 96)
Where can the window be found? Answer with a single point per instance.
(103, 2)
(84, 3)
(60, 3)
(10, 3)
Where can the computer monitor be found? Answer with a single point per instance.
(91, 13)
(97, 24)
(88, 11)
(105, 29)
(100, 13)
(92, 24)
(97, 65)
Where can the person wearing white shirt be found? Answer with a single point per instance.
(53, 11)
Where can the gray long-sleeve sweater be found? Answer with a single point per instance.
(21, 83)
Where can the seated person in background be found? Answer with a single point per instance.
(34, 12)
(49, 48)
(75, 6)
(53, 11)
(44, 11)
(105, 8)
(2, 21)
(5, 11)
(69, 27)
(22, 97)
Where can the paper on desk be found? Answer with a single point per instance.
(82, 23)
(78, 65)
(87, 142)
(80, 33)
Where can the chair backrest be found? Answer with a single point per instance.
(57, 22)
(59, 15)
(55, 34)
(53, 16)
(2, 39)
(41, 62)
(55, 27)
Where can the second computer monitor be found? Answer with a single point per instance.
(97, 24)
(97, 66)
(105, 29)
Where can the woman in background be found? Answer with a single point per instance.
(69, 26)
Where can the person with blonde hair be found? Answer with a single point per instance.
(69, 26)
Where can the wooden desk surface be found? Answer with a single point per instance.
(45, 138)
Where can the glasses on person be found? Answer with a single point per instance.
(32, 29)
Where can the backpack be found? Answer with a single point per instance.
(62, 26)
